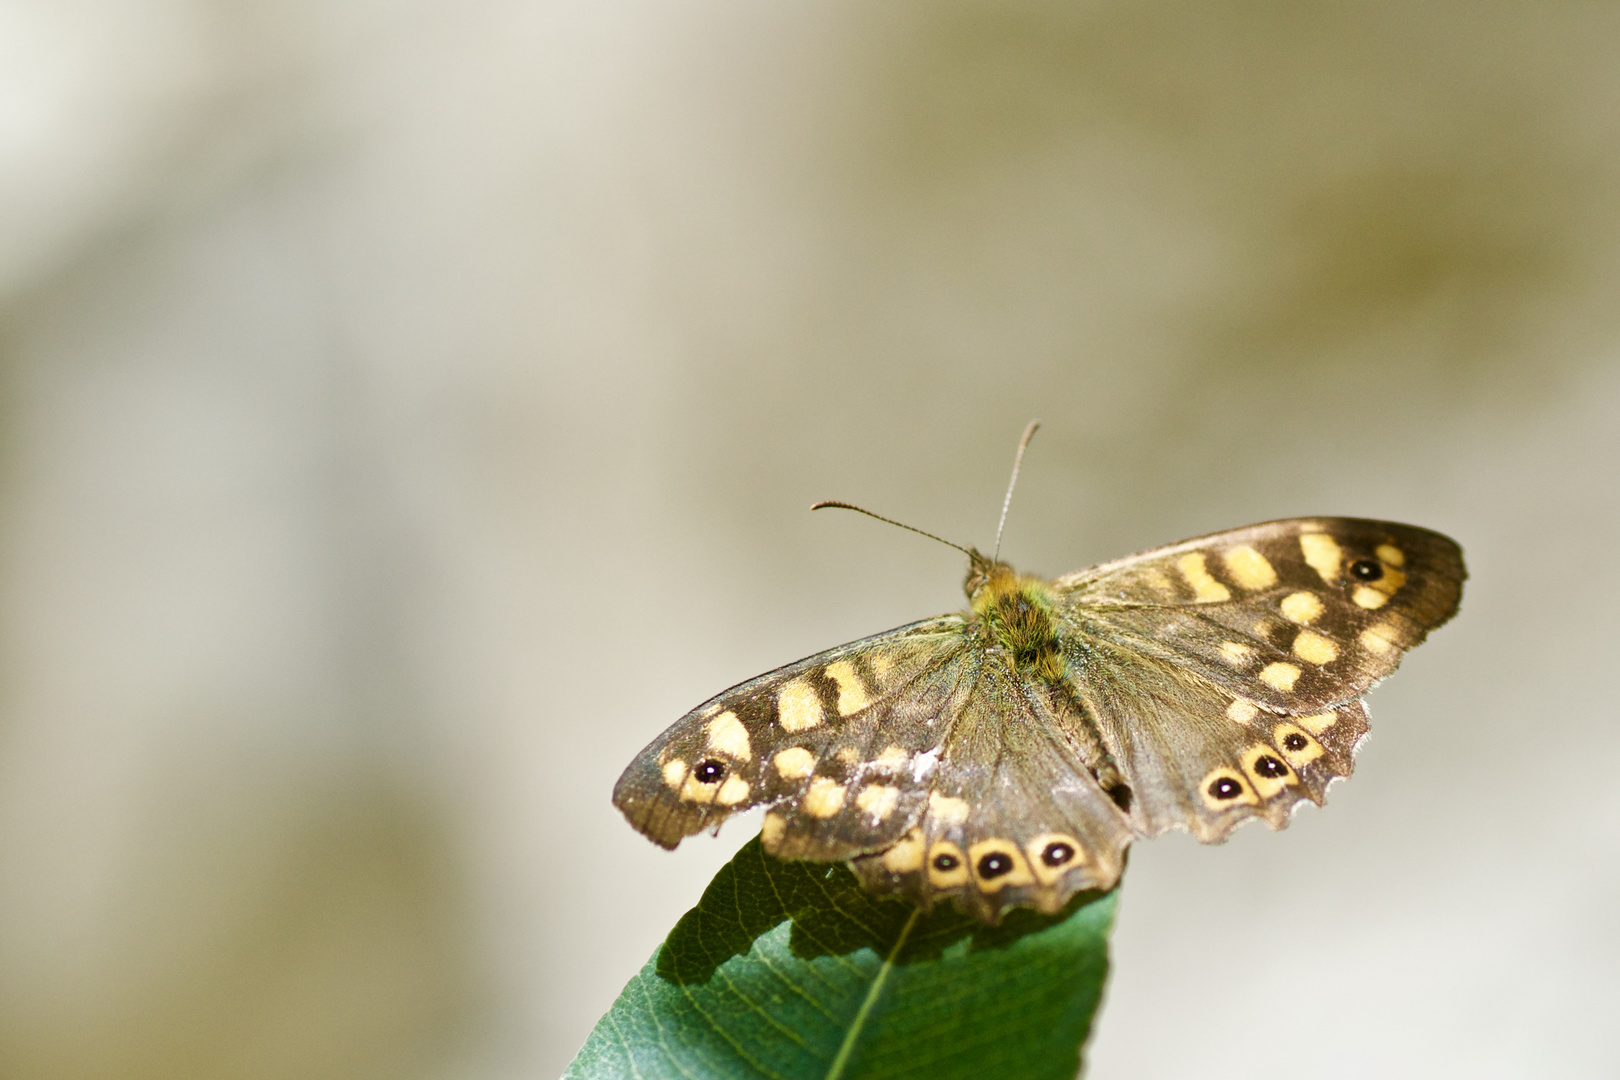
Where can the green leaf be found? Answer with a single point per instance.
(789, 969)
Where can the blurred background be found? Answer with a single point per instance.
(412, 408)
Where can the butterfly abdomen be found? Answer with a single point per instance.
(1016, 610)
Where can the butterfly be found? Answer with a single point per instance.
(1006, 756)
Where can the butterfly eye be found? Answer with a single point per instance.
(1225, 788)
(1057, 853)
(1268, 766)
(994, 865)
(944, 863)
(1366, 570)
(709, 771)
(1295, 742)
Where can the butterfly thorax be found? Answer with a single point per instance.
(1015, 612)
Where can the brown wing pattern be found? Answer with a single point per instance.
(1223, 674)
(1202, 684)
(1291, 615)
(1191, 761)
(1014, 816)
(826, 739)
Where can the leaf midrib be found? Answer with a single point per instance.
(847, 1047)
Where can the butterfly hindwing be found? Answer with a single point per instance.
(1189, 759)
(1013, 817)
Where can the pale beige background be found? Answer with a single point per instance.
(411, 408)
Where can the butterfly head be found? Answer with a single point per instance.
(1016, 610)
(985, 573)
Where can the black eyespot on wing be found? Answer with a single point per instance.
(1295, 742)
(1366, 570)
(1266, 765)
(994, 865)
(1225, 787)
(709, 771)
(1057, 853)
(945, 863)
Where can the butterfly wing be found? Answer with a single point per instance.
(1186, 759)
(1014, 816)
(838, 743)
(1205, 683)
(1222, 674)
(914, 747)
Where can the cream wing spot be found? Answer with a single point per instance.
(674, 772)
(1301, 607)
(1380, 638)
(797, 706)
(891, 757)
(1241, 712)
(906, 857)
(1319, 722)
(848, 755)
(1313, 648)
(852, 696)
(824, 798)
(1267, 771)
(1236, 653)
(1375, 643)
(794, 763)
(1280, 675)
(1391, 581)
(1371, 599)
(728, 736)
(879, 800)
(1391, 554)
(770, 833)
(1206, 590)
(1322, 554)
(694, 790)
(1159, 582)
(947, 810)
(1298, 748)
(1249, 568)
(732, 792)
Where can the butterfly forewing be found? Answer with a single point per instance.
(1224, 673)
(1293, 616)
(818, 738)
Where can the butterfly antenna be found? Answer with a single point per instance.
(825, 503)
(1023, 444)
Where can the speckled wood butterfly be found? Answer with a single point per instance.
(1006, 755)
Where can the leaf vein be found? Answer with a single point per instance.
(847, 1047)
